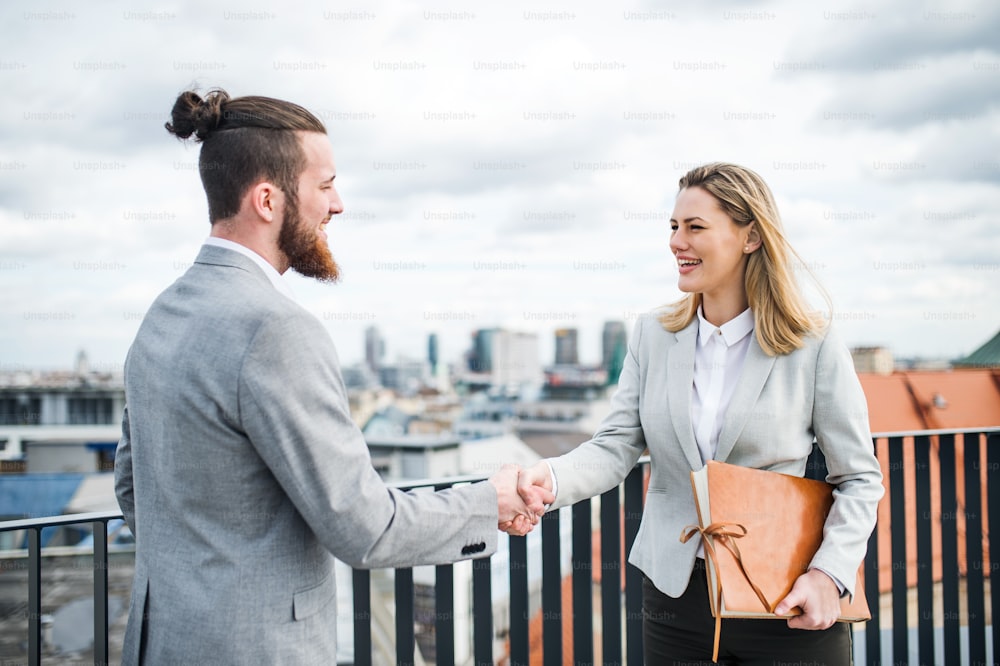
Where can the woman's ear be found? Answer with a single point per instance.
(753, 239)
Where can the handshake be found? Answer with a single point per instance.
(523, 495)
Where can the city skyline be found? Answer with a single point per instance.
(506, 166)
(591, 354)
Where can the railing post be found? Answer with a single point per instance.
(897, 507)
(611, 578)
(444, 615)
(583, 582)
(551, 591)
(974, 580)
(444, 611)
(34, 596)
(405, 639)
(949, 549)
(519, 642)
(482, 612)
(925, 549)
(873, 630)
(100, 528)
(362, 590)
(633, 577)
(993, 495)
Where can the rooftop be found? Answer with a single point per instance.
(987, 356)
(932, 399)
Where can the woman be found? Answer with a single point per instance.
(741, 371)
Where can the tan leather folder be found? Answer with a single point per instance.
(761, 529)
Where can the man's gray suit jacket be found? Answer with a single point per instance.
(242, 475)
(781, 405)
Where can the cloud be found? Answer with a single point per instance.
(527, 157)
(896, 34)
(901, 66)
(950, 92)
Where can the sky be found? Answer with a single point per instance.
(508, 164)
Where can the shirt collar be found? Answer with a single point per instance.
(270, 271)
(732, 331)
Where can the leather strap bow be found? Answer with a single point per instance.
(725, 534)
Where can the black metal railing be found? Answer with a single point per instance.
(614, 506)
(34, 527)
(972, 456)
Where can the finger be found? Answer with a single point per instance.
(532, 476)
(537, 496)
(513, 502)
(793, 599)
(801, 621)
(525, 484)
(533, 500)
(808, 623)
(518, 505)
(813, 615)
(521, 525)
(527, 494)
(796, 623)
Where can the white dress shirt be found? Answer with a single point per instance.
(718, 362)
(270, 271)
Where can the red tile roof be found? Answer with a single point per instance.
(930, 400)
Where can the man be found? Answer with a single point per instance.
(239, 469)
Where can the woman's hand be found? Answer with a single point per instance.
(819, 598)
(534, 484)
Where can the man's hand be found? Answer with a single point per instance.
(534, 485)
(818, 597)
(514, 516)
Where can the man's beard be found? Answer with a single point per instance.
(307, 252)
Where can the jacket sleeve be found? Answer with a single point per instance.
(124, 490)
(294, 409)
(605, 460)
(840, 423)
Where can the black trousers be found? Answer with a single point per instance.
(681, 631)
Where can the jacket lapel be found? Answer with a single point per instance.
(680, 380)
(756, 369)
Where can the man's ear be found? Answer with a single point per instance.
(753, 240)
(265, 199)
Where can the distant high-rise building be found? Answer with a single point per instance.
(566, 347)
(432, 351)
(614, 344)
(514, 359)
(82, 364)
(374, 348)
(481, 355)
(510, 358)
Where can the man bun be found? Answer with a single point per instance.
(195, 115)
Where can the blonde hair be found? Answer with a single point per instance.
(782, 317)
